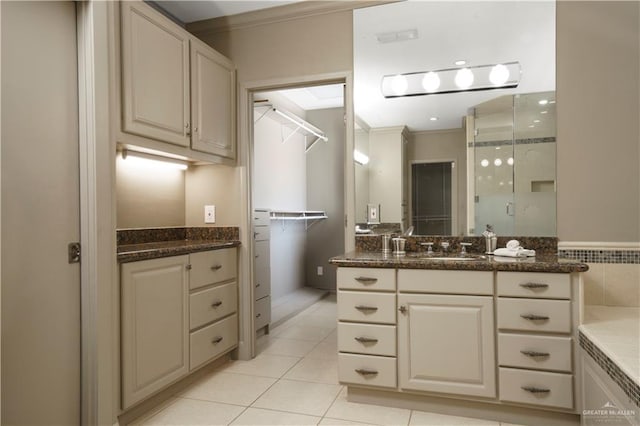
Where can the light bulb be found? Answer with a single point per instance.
(431, 82)
(464, 78)
(399, 84)
(497, 162)
(484, 163)
(499, 75)
(510, 161)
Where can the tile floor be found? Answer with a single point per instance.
(292, 381)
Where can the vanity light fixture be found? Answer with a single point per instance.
(482, 77)
(141, 159)
(360, 158)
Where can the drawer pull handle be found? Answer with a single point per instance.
(533, 389)
(216, 267)
(531, 317)
(216, 303)
(534, 285)
(366, 308)
(366, 280)
(365, 372)
(534, 354)
(364, 340)
(217, 340)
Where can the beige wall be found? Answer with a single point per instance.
(212, 185)
(598, 138)
(149, 197)
(443, 145)
(305, 46)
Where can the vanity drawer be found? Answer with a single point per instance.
(534, 284)
(366, 279)
(449, 282)
(213, 303)
(367, 307)
(262, 312)
(209, 342)
(261, 217)
(367, 339)
(534, 315)
(535, 352)
(367, 370)
(210, 267)
(536, 387)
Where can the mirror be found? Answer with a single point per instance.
(420, 158)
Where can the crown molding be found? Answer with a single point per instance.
(277, 14)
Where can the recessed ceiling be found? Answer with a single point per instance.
(192, 11)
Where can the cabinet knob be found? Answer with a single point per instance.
(366, 372)
(258, 316)
(365, 340)
(533, 389)
(217, 340)
(532, 317)
(188, 267)
(216, 303)
(257, 285)
(216, 267)
(534, 354)
(402, 309)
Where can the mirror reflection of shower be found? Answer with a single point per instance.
(511, 157)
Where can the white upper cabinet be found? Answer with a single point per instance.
(212, 101)
(175, 89)
(155, 75)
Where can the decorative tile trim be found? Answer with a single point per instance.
(628, 386)
(601, 256)
(528, 141)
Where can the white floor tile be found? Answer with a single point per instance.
(367, 413)
(337, 422)
(259, 416)
(322, 370)
(298, 397)
(263, 365)
(327, 349)
(286, 347)
(229, 388)
(433, 419)
(306, 332)
(195, 412)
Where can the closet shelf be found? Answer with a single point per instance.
(291, 121)
(305, 215)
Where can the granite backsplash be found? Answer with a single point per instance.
(153, 235)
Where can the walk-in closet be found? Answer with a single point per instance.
(297, 198)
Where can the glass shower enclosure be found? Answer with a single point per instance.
(512, 151)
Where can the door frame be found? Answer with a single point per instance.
(454, 189)
(246, 349)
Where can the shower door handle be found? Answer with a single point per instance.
(511, 210)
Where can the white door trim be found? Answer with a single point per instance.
(245, 161)
(97, 214)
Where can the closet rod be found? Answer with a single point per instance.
(302, 124)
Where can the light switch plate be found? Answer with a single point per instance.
(209, 214)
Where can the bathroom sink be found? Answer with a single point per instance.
(466, 258)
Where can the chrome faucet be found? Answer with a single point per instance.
(463, 250)
(429, 247)
(445, 246)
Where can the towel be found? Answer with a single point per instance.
(514, 249)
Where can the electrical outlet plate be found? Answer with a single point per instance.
(320, 270)
(209, 214)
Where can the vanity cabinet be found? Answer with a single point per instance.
(535, 340)
(367, 327)
(178, 313)
(446, 341)
(176, 90)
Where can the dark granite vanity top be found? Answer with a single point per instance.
(153, 243)
(539, 263)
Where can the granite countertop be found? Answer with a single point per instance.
(615, 331)
(539, 263)
(154, 250)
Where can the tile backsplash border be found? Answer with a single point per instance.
(625, 253)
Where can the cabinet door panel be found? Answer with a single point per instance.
(154, 325)
(446, 344)
(212, 101)
(155, 75)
